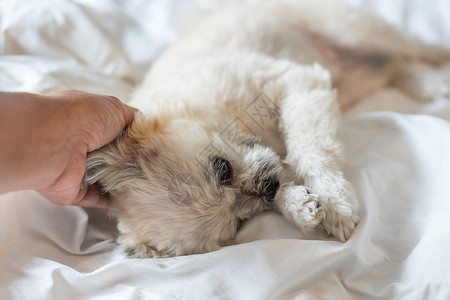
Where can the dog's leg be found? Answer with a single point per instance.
(309, 121)
(343, 26)
(362, 50)
(424, 84)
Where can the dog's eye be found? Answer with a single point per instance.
(223, 170)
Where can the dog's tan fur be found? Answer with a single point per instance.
(162, 173)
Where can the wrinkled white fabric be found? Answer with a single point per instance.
(398, 162)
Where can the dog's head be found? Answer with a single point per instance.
(178, 186)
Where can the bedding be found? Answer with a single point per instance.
(398, 162)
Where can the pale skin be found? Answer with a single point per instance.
(44, 140)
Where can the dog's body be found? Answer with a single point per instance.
(190, 168)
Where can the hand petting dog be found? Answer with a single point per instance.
(45, 140)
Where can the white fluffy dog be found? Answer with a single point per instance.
(241, 115)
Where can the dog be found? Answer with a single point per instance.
(241, 115)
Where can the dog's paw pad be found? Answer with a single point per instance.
(303, 208)
(144, 251)
(310, 210)
(133, 249)
(312, 203)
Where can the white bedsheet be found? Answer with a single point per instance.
(399, 164)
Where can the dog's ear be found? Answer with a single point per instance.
(141, 133)
(113, 165)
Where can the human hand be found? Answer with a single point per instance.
(81, 122)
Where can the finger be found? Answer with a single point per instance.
(126, 112)
(94, 198)
(129, 113)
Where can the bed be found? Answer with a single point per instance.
(399, 165)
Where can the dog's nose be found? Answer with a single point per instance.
(271, 186)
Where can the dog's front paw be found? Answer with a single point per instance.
(138, 250)
(339, 204)
(340, 216)
(144, 251)
(299, 206)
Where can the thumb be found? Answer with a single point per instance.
(114, 115)
(129, 113)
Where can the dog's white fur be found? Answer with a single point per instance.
(281, 59)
